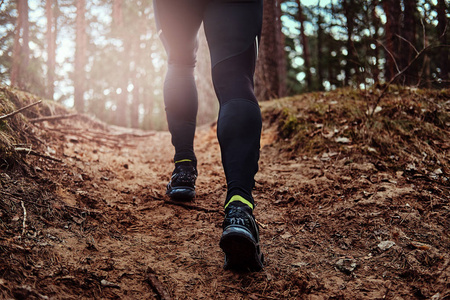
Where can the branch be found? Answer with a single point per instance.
(17, 199)
(19, 110)
(52, 118)
(24, 225)
(399, 74)
(390, 54)
(156, 285)
(32, 152)
(412, 46)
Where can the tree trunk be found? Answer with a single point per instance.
(51, 47)
(80, 56)
(305, 46)
(135, 104)
(408, 41)
(117, 13)
(320, 56)
(351, 55)
(271, 69)
(21, 50)
(281, 67)
(377, 24)
(25, 40)
(443, 30)
(122, 111)
(17, 48)
(136, 62)
(392, 10)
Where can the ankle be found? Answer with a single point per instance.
(239, 201)
(186, 162)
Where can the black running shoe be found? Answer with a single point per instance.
(240, 240)
(182, 184)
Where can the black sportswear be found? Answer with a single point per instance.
(182, 183)
(232, 30)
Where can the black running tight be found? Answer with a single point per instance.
(232, 30)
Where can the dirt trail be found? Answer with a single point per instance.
(332, 228)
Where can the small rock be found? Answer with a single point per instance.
(106, 283)
(346, 265)
(385, 245)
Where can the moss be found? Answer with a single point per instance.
(289, 123)
(410, 123)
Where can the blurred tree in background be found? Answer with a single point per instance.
(104, 57)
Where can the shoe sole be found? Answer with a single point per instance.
(181, 193)
(241, 250)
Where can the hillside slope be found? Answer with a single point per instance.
(351, 206)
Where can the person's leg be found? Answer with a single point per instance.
(178, 22)
(233, 29)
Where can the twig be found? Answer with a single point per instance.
(156, 285)
(264, 226)
(17, 198)
(412, 46)
(397, 75)
(190, 206)
(24, 225)
(32, 152)
(89, 211)
(52, 118)
(19, 110)
(390, 54)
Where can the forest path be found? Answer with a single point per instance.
(322, 217)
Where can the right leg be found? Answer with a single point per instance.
(178, 22)
(232, 29)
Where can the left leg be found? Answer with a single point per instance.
(178, 22)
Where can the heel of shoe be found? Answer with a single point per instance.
(242, 252)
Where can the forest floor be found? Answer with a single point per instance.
(351, 206)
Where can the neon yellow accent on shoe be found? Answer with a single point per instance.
(241, 199)
(182, 160)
